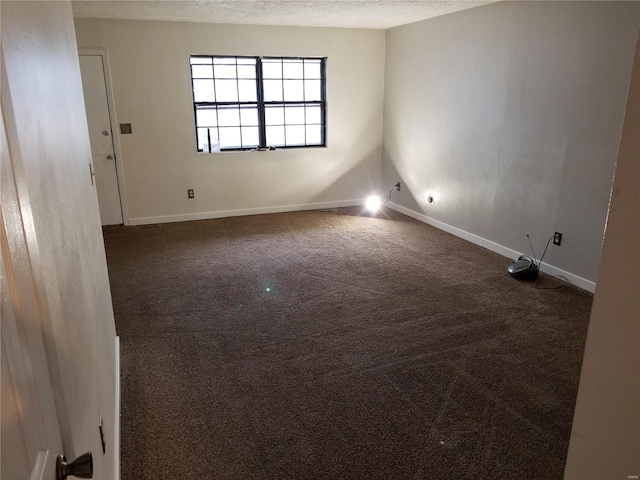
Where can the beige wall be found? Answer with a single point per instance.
(605, 440)
(152, 91)
(509, 115)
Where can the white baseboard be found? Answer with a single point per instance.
(116, 427)
(583, 283)
(242, 212)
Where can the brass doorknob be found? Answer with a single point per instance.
(81, 467)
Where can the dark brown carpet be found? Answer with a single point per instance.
(333, 345)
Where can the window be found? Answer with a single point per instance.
(246, 103)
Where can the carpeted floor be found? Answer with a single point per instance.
(334, 345)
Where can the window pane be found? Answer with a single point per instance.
(292, 69)
(227, 90)
(206, 117)
(250, 137)
(225, 71)
(314, 114)
(272, 90)
(200, 60)
(224, 61)
(246, 71)
(247, 91)
(294, 115)
(203, 91)
(230, 137)
(275, 136)
(312, 69)
(314, 135)
(249, 116)
(271, 69)
(293, 91)
(246, 61)
(312, 90)
(274, 116)
(202, 71)
(295, 135)
(228, 117)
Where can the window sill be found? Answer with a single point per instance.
(272, 149)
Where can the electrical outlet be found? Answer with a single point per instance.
(190, 193)
(397, 186)
(557, 238)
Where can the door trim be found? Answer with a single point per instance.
(115, 132)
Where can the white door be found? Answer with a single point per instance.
(30, 433)
(101, 136)
(59, 345)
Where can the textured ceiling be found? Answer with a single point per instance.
(308, 13)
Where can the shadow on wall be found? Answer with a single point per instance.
(396, 168)
(349, 165)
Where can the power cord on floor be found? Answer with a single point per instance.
(546, 275)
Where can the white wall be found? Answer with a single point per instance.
(152, 91)
(605, 439)
(510, 116)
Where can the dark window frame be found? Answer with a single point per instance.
(261, 104)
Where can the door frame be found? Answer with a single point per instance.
(115, 135)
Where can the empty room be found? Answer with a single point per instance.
(267, 239)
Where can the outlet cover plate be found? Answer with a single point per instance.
(557, 238)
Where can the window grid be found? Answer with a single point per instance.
(260, 105)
